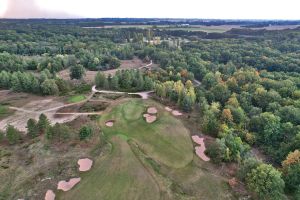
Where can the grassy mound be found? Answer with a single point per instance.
(166, 140)
(118, 175)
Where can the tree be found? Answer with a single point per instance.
(58, 132)
(266, 182)
(291, 170)
(100, 80)
(43, 123)
(77, 72)
(114, 83)
(32, 128)
(268, 127)
(49, 87)
(12, 134)
(85, 132)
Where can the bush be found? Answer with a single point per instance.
(85, 132)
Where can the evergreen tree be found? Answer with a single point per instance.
(85, 132)
(43, 123)
(100, 80)
(12, 134)
(77, 72)
(32, 128)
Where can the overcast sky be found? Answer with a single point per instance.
(216, 9)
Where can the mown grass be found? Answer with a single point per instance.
(166, 140)
(76, 98)
(118, 175)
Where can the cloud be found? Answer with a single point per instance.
(30, 9)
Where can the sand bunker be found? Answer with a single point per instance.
(168, 109)
(150, 119)
(198, 140)
(152, 110)
(176, 113)
(85, 164)
(109, 123)
(200, 149)
(150, 116)
(50, 195)
(66, 186)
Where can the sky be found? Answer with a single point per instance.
(205, 9)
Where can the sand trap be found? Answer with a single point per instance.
(50, 195)
(66, 186)
(176, 113)
(85, 164)
(200, 149)
(168, 109)
(198, 140)
(146, 115)
(152, 110)
(109, 123)
(151, 119)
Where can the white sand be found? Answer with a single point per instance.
(66, 186)
(85, 164)
(50, 195)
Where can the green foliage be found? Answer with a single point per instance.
(49, 87)
(76, 98)
(266, 182)
(58, 132)
(43, 123)
(12, 134)
(77, 72)
(85, 132)
(32, 128)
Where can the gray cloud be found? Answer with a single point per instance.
(30, 9)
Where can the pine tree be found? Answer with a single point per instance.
(12, 134)
(32, 128)
(43, 123)
(100, 80)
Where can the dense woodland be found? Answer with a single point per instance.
(249, 96)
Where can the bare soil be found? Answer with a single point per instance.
(89, 77)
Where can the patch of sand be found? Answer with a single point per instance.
(109, 123)
(176, 113)
(85, 164)
(151, 119)
(33, 110)
(152, 110)
(66, 186)
(50, 195)
(146, 115)
(168, 109)
(200, 149)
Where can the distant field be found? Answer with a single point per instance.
(208, 29)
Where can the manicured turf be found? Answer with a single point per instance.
(118, 175)
(166, 140)
(76, 99)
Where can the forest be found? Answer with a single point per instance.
(243, 84)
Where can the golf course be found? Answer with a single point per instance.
(145, 160)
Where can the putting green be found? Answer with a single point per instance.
(166, 140)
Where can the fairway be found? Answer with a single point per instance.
(118, 175)
(166, 140)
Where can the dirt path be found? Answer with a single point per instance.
(143, 95)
